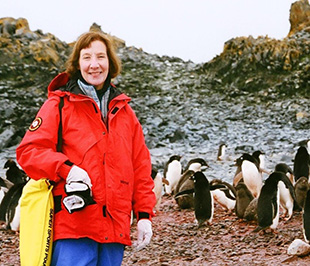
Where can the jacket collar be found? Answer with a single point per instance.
(62, 82)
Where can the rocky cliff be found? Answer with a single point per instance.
(175, 100)
(269, 67)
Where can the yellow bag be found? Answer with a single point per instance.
(36, 223)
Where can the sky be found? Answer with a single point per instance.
(193, 30)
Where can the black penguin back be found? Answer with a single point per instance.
(203, 198)
(267, 204)
(301, 163)
(306, 218)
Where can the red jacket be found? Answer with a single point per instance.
(114, 156)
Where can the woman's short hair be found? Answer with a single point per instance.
(84, 41)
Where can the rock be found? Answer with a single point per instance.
(302, 115)
(5, 137)
(299, 17)
(116, 41)
(298, 247)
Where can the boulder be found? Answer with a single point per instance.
(299, 248)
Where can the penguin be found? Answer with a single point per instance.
(197, 164)
(238, 174)
(301, 188)
(14, 174)
(260, 157)
(221, 152)
(250, 213)
(268, 203)
(305, 143)
(223, 195)
(172, 173)
(283, 167)
(185, 182)
(203, 200)
(306, 218)
(243, 199)
(184, 192)
(301, 163)
(159, 180)
(9, 207)
(251, 175)
(287, 192)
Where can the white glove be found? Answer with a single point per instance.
(144, 233)
(78, 196)
(77, 174)
(73, 203)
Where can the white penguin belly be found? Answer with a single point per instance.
(15, 223)
(286, 200)
(173, 175)
(212, 209)
(2, 194)
(252, 178)
(220, 197)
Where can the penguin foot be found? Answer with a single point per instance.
(257, 229)
(260, 230)
(287, 219)
(2, 225)
(201, 225)
(274, 231)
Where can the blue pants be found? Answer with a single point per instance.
(86, 252)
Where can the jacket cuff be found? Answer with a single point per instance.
(64, 169)
(143, 215)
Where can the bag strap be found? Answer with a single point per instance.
(59, 141)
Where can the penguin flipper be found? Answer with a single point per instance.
(265, 171)
(237, 178)
(184, 192)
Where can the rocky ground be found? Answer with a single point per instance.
(178, 241)
(228, 241)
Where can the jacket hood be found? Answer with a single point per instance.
(59, 81)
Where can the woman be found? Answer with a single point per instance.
(103, 170)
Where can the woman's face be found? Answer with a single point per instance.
(94, 64)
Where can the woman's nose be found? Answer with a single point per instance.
(94, 62)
